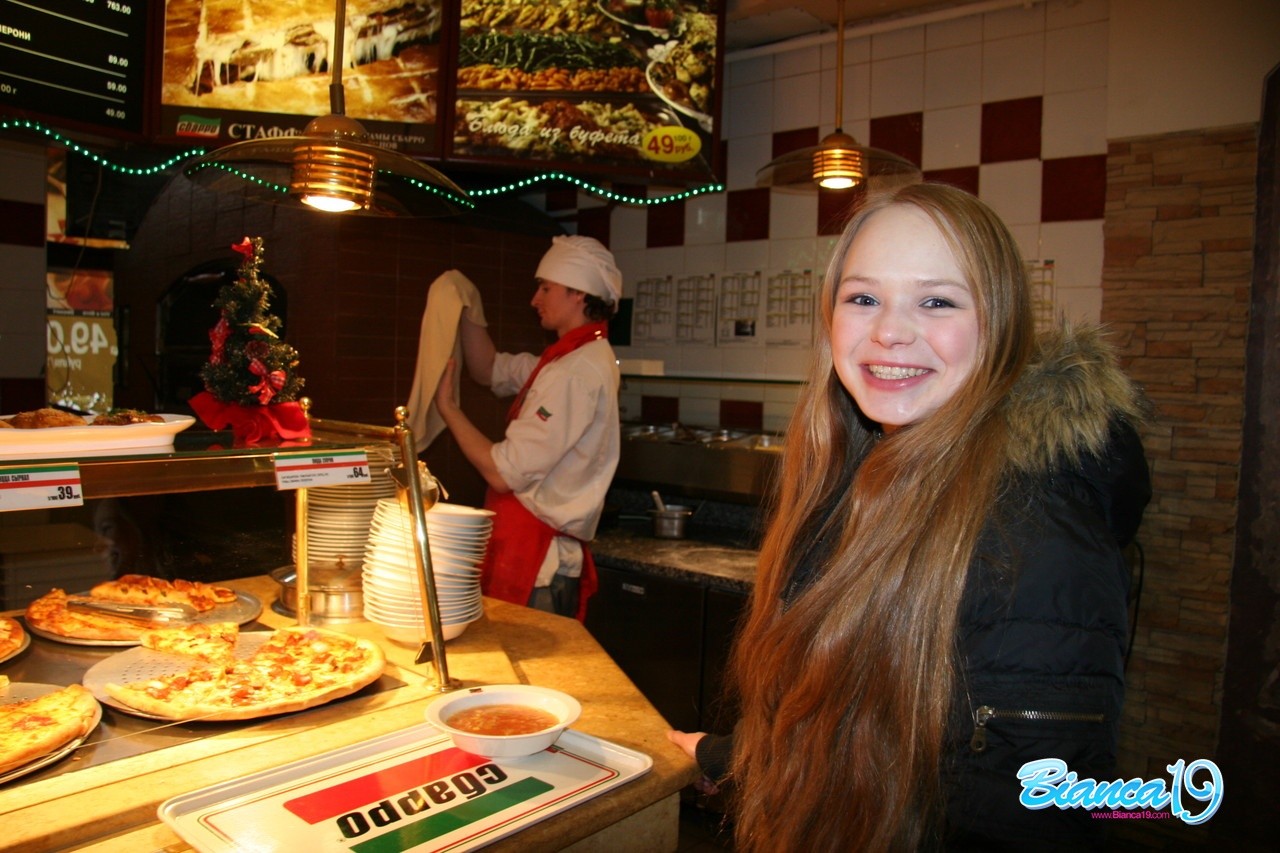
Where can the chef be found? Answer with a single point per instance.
(548, 475)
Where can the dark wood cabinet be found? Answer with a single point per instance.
(670, 637)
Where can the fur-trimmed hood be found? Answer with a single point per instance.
(1064, 405)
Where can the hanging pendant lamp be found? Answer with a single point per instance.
(331, 166)
(838, 162)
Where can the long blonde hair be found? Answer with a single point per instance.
(844, 692)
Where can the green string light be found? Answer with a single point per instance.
(598, 191)
(517, 186)
(36, 127)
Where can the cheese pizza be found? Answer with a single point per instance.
(12, 637)
(295, 669)
(33, 728)
(211, 642)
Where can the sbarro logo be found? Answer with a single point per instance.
(1047, 782)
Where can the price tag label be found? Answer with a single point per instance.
(41, 486)
(333, 468)
(671, 144)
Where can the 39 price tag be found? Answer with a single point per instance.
(332, 468)
(671, 144)
(41, 486)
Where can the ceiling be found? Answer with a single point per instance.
(750, 23)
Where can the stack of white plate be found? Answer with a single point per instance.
(456, 539)
(338, 517)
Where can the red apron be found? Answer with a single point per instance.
(520, 539)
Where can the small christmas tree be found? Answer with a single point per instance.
(249, 364)
(251, 380)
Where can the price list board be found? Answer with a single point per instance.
(76, 59)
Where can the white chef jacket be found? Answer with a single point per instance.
(559, 454)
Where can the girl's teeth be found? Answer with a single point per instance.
(883, 371)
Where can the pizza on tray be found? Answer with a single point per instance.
(12, 637)
(51, 616)
(33, 728)
(294, 669)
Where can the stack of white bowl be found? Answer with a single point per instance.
(338, 517)
(456, 538)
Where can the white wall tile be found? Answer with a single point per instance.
(1076, 251)
(704, 219)
(749, 110)
(793, 214)
(628, 227)
(744, 362)
(668, 260)
(747, 154)
(743, 72)
(953, 33)
(1080, 305)
(697, 361)
(1014, 21)
(1076, 58)
(897, 85)
(787, 362)
(952, 137)
(856, 51)
(804, 60)
(1074, 124)
(699, 412)
(796, 101)
(631, 263)
(1028, 240)
(1070, 13)
(1013, 68)
(953, 77)
(1012, 190)
(701, 260)
(794, 254)
(894, 43)
(747, 256)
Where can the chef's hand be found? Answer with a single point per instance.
(688, 743)
(444, 390)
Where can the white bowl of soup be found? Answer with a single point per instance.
(503, 720)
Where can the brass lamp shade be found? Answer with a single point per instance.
(329, 174)
(838, 164)
(804, 169)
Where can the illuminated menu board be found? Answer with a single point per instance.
(76, 59)
(627, 87)
(238, 70)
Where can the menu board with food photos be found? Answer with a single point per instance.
(623, 86)
(236, 70)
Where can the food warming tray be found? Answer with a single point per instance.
(408, 790)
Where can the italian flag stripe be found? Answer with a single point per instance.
(458, 817)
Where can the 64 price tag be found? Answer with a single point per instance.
(41, 486)
(328, 468)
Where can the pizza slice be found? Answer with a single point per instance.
(11, 636)
(49, 614)
(152, 591)
(211, 642)
(33, 728)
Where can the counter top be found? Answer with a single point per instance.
(111, 808)
(632, 545)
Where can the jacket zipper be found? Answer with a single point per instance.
(985, 714)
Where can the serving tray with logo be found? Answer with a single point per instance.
(408, 790)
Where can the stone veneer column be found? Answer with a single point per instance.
(1176, 278)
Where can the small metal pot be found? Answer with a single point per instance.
(333, 598)
(669, 523)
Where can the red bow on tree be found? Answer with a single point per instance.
(244, 247)
(271, 382)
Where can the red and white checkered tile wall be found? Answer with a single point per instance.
(1010, 105)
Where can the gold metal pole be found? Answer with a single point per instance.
(409, 489)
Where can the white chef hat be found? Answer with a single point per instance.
(582, 263)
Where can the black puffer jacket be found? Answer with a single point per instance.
(1043, 623)
(1043, 620)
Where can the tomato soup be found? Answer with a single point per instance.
(502, 720)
